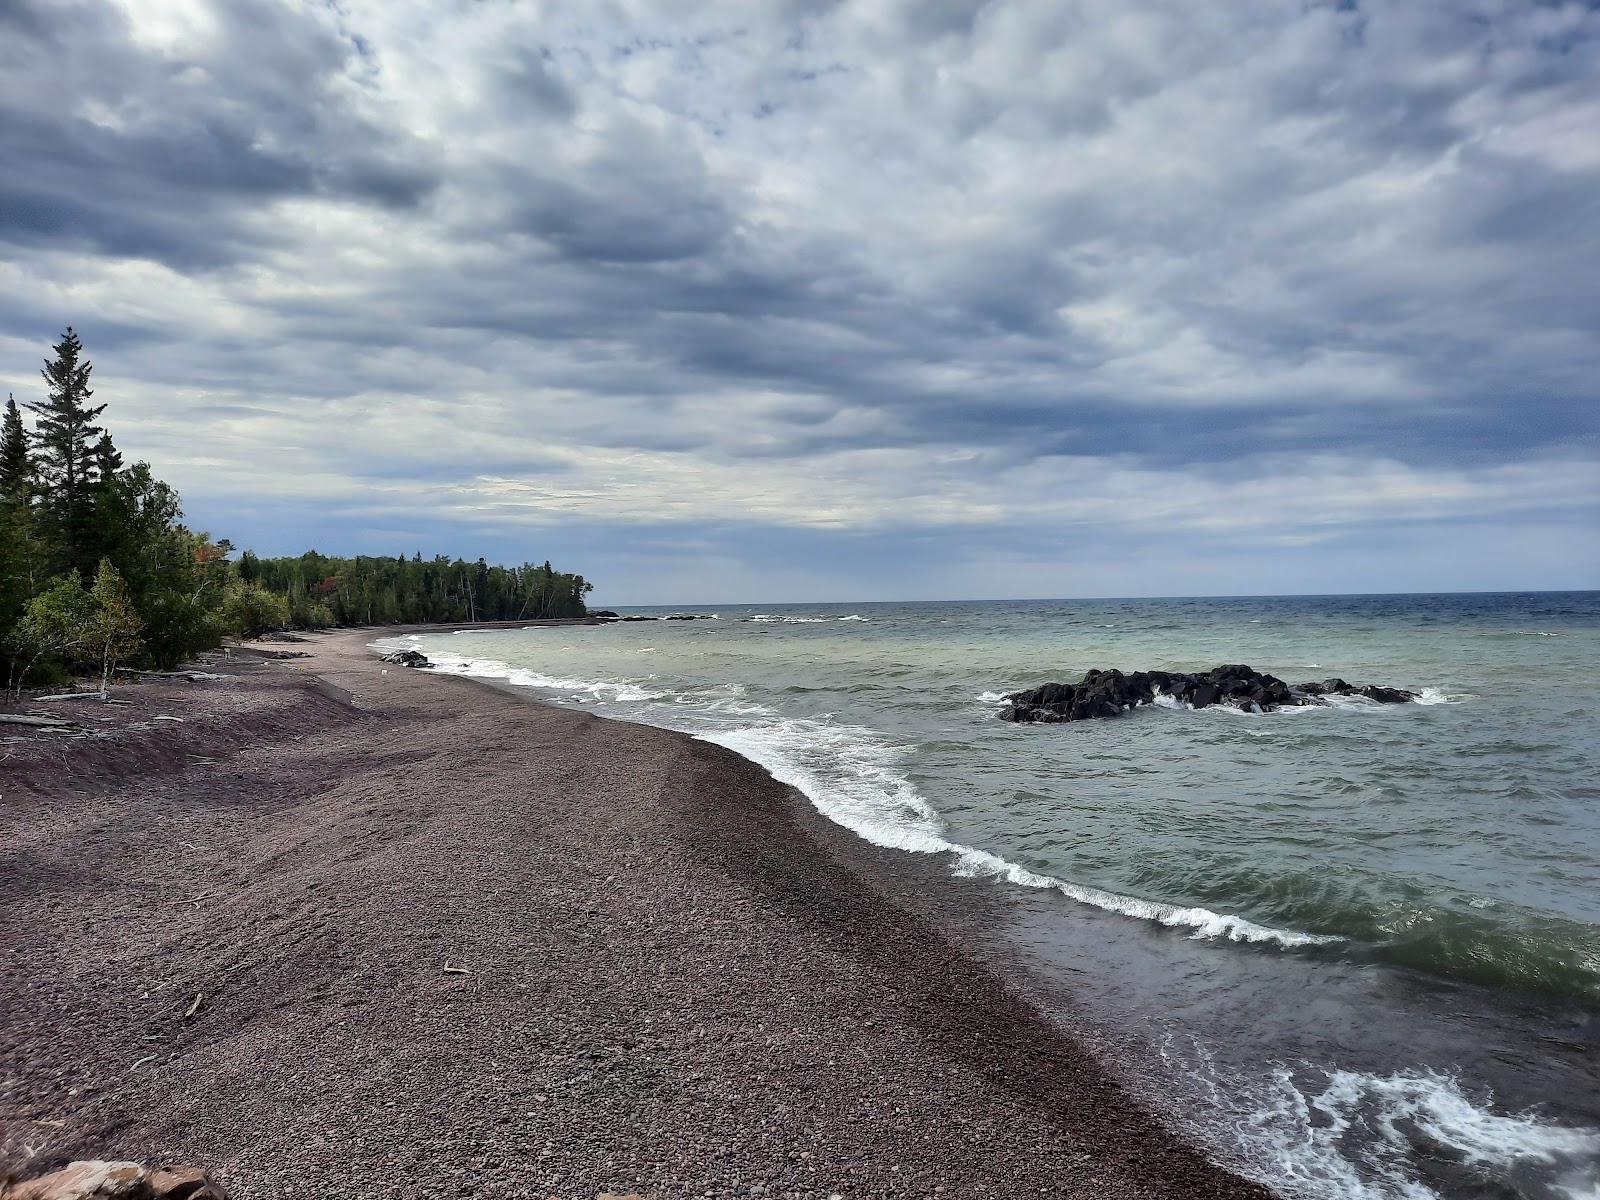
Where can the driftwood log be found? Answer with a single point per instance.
(191, 676)
(37, 722)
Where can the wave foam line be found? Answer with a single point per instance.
(1360, 704)
(1205, 923)
(877, 803)
(490, 668)
(1321, 1132)
(1391, 1120)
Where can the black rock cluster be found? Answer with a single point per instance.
(606, 617)
(1110, 693)
(408, 658)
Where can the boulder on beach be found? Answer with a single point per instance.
(1109, 693)
(99, 1180)
(408, 658)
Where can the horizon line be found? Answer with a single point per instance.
(1064, 599)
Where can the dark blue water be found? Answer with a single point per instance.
(1405, 900)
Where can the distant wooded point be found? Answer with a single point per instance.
(98, 570)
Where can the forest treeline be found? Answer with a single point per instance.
(98, 569)
(372, 590)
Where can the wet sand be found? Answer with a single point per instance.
(449, 942)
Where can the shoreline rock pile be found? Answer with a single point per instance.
(408, 658)
(1111, 693)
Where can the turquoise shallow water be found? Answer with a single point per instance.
(1456, 840)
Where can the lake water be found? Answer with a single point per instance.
(1353, 949)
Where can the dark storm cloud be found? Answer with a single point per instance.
(882, 270)
(132, 152)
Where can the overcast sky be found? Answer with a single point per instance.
(766, 301)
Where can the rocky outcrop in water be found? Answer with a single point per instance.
(408, 658)
(1110, 693)
(671, 617)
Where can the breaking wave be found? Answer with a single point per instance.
(851, 775)
(489, 668)
(788, 619)
(1321, 1133)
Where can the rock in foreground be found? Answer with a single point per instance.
(1110, 693)
(97, 1180)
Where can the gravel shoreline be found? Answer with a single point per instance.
(448, 942)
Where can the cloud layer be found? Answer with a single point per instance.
(857, 299)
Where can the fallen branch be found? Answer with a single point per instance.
(195, 1006)
(73, 696)
(191, 676)
(39, 722)
(449, 970)
(139, 1062)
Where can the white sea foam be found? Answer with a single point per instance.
(1315, 1132)
(788, 619)
(489, 668)
(1359, 704)
(1298, 1134)
(990, 697)
(849, 773)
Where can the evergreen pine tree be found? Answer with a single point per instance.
(107, 458)
(16, 482)
(67, 439)
(19, 552)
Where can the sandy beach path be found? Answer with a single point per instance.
(447, 942)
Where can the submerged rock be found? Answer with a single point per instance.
(1109, 693)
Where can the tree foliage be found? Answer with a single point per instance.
(97, 567)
